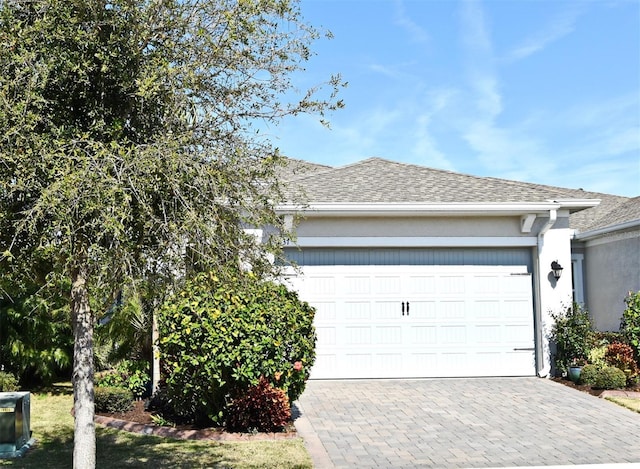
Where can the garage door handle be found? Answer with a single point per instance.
(529, 349)
(407, 308)
(403, 308)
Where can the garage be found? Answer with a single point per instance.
(417, 321)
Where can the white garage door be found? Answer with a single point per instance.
(420, 321)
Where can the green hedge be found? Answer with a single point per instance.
(223, 332)
(112, 399)
(608, 377)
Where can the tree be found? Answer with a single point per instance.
(35, 329)
(128, 144)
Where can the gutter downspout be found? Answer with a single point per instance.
(545, 368)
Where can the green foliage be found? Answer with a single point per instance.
(589, 373)
(128, 374)
(607, 377)
(596, 356)
(600, 338)
(222, 332)
(610, 377)
(621, 356)
(165, 410)
(630, 325)
(127, 139)
(124, 331)
(261, 408)
(36, 341)
(8, 382)
(570, 333)
(113, 399)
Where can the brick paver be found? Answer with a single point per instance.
(454, 423)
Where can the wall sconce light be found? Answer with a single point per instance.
(556, 269)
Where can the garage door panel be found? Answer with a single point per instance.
(356, 336)
(517, 309)
(360, 285)
(424, 335)
(423, 309)
(448, 285)
(448, 335)
(388, 335)
(325, 311)
(356, 310)
(450, 310)
(386, 310)
(489, 334)
(487, 309)
(462, 321)
(421, 285)
(386, 285)
(326, 336)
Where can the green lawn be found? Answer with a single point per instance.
(52, 426)
(628, 402)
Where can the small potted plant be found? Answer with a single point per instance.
(575, 368)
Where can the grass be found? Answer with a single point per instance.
(628, 402)
(52, 427)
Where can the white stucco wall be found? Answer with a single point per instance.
(612, 269)
(552, 296)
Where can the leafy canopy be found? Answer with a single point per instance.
(129, 147)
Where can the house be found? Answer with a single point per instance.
(418, 272)
(606, 258)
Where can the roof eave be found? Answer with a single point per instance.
(424, 209)
(587, 235)
(575, 205)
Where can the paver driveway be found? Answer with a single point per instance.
(450, 423)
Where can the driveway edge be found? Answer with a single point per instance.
(312, 442)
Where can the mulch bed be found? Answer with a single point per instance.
(138, 420)
(632, 391)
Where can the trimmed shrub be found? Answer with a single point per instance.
(608, 377)
(128, 374)
(630, 325)
(221, 333)
(621, 356)
(112, 399)
(261, 408)
(589, 374)
(8, 382)
(570, 333)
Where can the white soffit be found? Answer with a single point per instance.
(450, 209)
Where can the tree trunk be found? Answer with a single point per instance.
(155, 362)
(84, 442)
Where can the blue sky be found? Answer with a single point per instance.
(538, 91)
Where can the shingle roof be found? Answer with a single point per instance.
(617, 213)
(376, 180)
(293, 169)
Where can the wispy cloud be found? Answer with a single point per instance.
(425, 149)
(402, 19)
(508, 151)
(482, 77)
(560, 26)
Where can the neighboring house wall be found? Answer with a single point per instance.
(612, 269)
